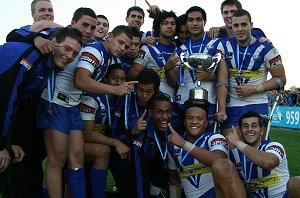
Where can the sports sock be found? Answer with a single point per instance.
(98, 181)
(76, 181)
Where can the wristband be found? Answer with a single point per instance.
(241, 145)
(188, 146)
(259, 88)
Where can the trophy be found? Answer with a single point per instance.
(200, 61)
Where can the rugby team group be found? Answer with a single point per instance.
(90, 100)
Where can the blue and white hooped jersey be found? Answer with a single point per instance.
(196, 178)
(248, 65)
(155, 57)
(187, 77)
(96, 59)
(258, 181)
(125, 62)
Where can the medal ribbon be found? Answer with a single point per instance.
(51, 87)
(240, 66)
(163, 155)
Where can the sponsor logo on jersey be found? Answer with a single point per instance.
(63, 97)
(138, 143)
(86, 108)
(275, 61)
(90, 58)
(219, 141)
(277, 149)
(26, 64)
(141, 54)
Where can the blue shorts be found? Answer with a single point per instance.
(235, 113)
(63, 119)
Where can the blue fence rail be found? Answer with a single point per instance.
(285, 116)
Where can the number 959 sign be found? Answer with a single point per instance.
(285, 116)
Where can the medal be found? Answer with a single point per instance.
(240, 75)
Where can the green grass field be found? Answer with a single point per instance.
(288, 138)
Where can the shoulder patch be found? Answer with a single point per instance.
(90, 58)
(141, 54)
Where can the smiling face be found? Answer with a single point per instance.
(161, 115)
(228, 11)
(65, 51)
(251, 131)
(135, 19)
(43, 11)
(101, 29)
(195, 122)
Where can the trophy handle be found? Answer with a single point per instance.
(215, 60)
(183, 60)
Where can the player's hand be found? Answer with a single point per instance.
(4, 159)
(175, 138)
(43, 45)
(220, 116)
(124, 88)
(203, 75)
(122, 149)
(244, 90)
(233, 137)
(151, 40)
(19, 153)
(173, 61)
(214, 32)
(140, 125)
(152, 8)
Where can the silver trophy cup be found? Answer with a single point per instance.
(200, 61)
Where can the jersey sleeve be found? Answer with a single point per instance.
(89, 58)
(275, 148)
(273, 58)
(88, 108)
(218, 142)
(143, 56)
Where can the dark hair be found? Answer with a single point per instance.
(158, 96)
(182, 19)
(135, 31)
(242, 12)
(196, 9)
(200, 106)
(33, 4)
(113, 67)
(120, 29)
(135, 8)
(251, 114)
(159, 19)
(103, 17)
(231, 2)
(149, 76)
(83, 11)
(61, 34)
